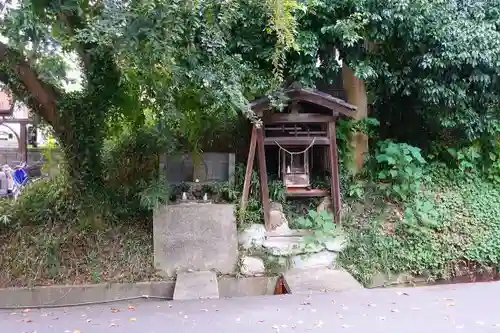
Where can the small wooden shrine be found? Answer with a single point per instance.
(307, 121)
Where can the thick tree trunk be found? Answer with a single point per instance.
(356, 94)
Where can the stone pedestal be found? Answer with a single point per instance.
(195, 236)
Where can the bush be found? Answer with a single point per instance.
(45, 202)
(400, 169)
(131, 164)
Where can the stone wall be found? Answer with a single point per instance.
(217, 167)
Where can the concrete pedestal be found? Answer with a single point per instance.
(195, 236)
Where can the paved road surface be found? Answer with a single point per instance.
(463, 308)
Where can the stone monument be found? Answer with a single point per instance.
(195, 236)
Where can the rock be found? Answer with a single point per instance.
(253, 236)
(314, 260)
(289, 246)
(277, 218)
(325, 205)
(336, 244)
(252, 266)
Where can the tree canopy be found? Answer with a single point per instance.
(193, 65)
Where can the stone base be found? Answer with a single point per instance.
(195, 236)
(307, 281)
(196, 285)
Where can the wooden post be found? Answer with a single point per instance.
(356, 95)
(334, 172)
(248, 171)
(264, 187)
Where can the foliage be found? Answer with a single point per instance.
(460, 226)
(322, 226)
(400, 169)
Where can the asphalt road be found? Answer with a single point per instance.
(467, 308)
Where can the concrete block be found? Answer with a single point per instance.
(307, 281)
(196, 285)
(195, 236)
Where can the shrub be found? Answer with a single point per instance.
(400, 169)
(131, 164)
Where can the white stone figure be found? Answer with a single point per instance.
(288, 170)
(196, 180)
(205, 197)
(184, 196)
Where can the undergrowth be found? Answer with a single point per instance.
(68, 253)
(450, 225)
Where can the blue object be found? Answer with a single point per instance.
(20, 177)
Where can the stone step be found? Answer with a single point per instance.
(307, 281)
(196, 285)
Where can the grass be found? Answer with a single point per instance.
(75, 254)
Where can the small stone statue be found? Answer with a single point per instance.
(205, 197)
(184, 196)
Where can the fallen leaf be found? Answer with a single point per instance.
(27, 320)
(114, 310)
(113, 325)
(395, 310)
(371, 305)
(88, 320)
(132, 319)
(204, 310)
(131, 307)
(346, 326)
(451, 304)
(26, 310)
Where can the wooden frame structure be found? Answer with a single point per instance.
(315, 113)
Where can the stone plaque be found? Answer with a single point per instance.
(195, 236)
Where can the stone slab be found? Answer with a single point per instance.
(67, 295)
(195, 236)
(196, 285)
(307, 281)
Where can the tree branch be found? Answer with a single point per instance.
(24, 82)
